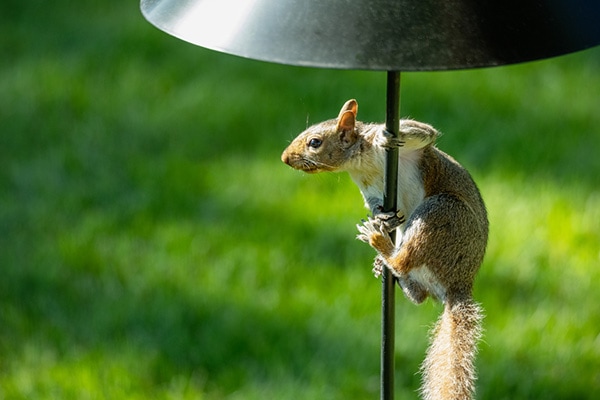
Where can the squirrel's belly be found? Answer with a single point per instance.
(427, 279)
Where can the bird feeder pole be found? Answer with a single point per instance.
(390, 200)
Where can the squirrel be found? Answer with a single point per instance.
(441, 223)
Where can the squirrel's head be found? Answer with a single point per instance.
(325, 146)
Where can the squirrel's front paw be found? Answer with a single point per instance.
(390, 220)
(389, 140)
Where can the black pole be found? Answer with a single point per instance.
(390, 203)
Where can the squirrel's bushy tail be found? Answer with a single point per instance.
(449, 370)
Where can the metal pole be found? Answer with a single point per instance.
(390, 203)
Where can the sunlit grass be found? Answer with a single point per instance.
(153, 245)
(541, 268)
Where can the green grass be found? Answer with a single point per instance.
(153, 246)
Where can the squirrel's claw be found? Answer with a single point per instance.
(394, 142)
(390, 220)
(388, 140)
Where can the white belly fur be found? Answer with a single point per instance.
(425, 277)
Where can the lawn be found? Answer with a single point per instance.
(153, 245)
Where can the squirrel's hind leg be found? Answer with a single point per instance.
(374, 232)
(412, 289)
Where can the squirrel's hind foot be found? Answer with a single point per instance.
(374, 232)
(378, 266)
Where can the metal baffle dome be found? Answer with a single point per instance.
(406, 35)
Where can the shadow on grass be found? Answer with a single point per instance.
(224, 341)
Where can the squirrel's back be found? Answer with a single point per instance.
(443, 174)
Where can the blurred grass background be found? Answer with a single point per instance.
(153, 246)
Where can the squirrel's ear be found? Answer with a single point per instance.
(346, 121)
(350, 105)
(345, 128)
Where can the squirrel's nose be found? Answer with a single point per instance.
(285, 158)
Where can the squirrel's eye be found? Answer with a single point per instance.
(315, 143)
